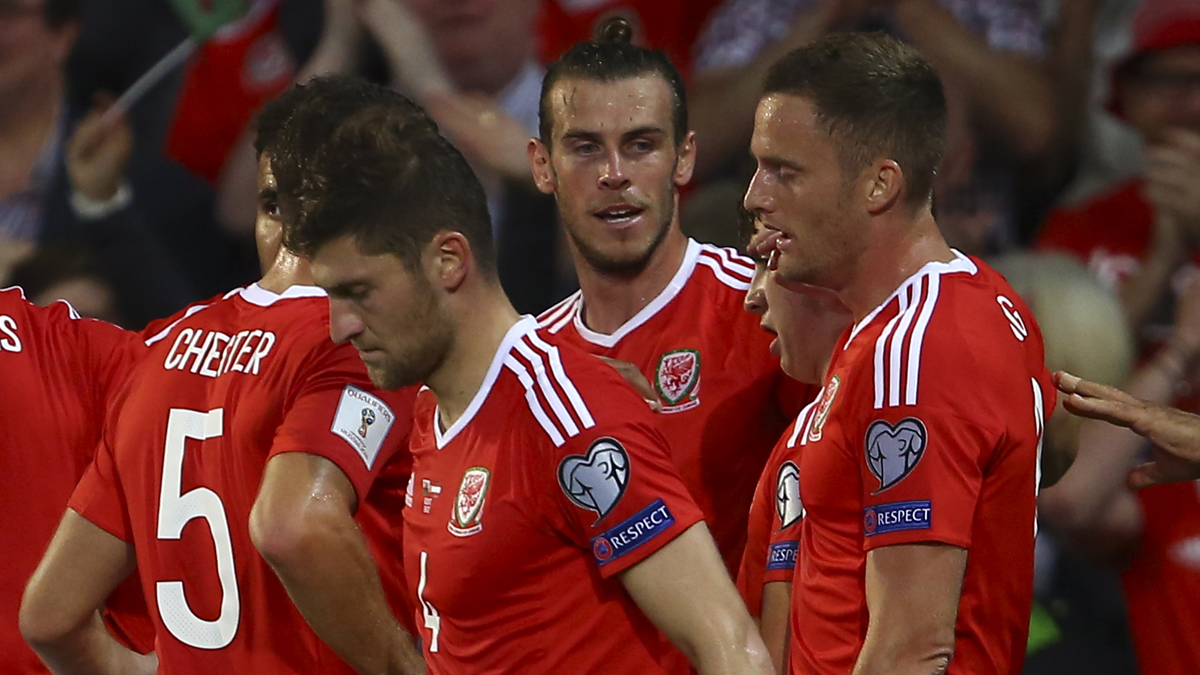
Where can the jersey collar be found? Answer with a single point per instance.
(257, 295)
(520, 329)
(661, 300)
(961, 263)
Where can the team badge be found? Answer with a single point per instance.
(787, 495)
(893, 451)
(827, 396)
(677, 380)
(468, 506)
(597, 481)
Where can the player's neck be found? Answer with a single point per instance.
(610, 300)
(480, 327)
(895, 254)
(288, 270)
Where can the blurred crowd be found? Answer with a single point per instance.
(1073, 165)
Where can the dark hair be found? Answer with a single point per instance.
(610, 58)
(359, 159)
(875, 97)
(58, 13)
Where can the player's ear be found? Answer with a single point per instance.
(447, 260)
(685, 162)
(539, 161)
(883, 186)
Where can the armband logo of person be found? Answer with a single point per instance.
(893, 451)
(678, 380)
(596, 482)
(827, 396)
(787, 495)
(468, 506)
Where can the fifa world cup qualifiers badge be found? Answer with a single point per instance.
(677, 380)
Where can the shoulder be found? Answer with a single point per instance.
(568, 391)
(560, 314)
(723, 269)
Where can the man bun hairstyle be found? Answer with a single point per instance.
(361, 160)
(612, 56)
(876, 97)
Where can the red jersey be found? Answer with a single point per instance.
(553, 481)
(725, 399)
(1163, 582)
(221, 391)
(670, 25)
(60, 371)
(929, 430)
(773, 532)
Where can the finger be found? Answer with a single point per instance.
(655, 404)
(1145, 475)
(1065, 381)
(764, 242)
(1096, 390)
(1113, 412)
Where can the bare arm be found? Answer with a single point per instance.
(912, 597)
(60, 615)
(683, 589)
(303, 525)
(774, 623)
(1010, 95)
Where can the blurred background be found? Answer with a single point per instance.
(1073, 166)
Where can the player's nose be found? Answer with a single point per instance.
(755, 301)
(344, 324)
(758, 198)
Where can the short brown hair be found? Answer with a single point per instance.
(876, 98)
(373, 166)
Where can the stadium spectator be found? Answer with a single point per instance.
(564, 485)
(939, 392)
(988, 53)
(614, 149)
(66, 273)
(300, 460)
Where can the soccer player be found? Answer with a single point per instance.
(243, 431)
(59, 372)
(614, 149)
(806, 322)
(919, 468)
(548, 531)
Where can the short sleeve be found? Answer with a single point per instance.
(98, 497)
(758, 533)
(339, 415)
(787, 514)
(622, 497)
(922, 469)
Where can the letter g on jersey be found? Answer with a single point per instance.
(597, 481)
(893, 451)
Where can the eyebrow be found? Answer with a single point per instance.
(595, 136)
(779, 161)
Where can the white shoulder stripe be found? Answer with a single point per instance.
(560, 375)
(918, 340)
(803, 421)
(167, 331)
(531, 398)
(896, 357)
(556, 311)
(880, 347)
(721, 274)
(549, 393)
(567, 317)
(733, 261)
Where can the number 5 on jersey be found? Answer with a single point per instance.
(175, 510)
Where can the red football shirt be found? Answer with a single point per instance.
(221, 391)
(773, 532)
(523, 512)
(929, 430)
(725, 399)
(1163, 582)
(60, 371)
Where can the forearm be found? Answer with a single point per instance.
(332, 579)
(876, 659)
(776, 613)
(1010, 96)
(89, 649)
(1141, 292)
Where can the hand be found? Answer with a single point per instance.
(636, 380)
(414, 61)
(483, 132)
(762, 245)
(98, 152)
(1175, 434)
(1172, 171)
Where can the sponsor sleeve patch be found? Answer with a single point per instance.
(636, 530)
(897, 517)
(363, 421)
(782, 555)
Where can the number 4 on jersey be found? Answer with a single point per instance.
(174, 512)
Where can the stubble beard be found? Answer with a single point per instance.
(422, 359)
(622, 265)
